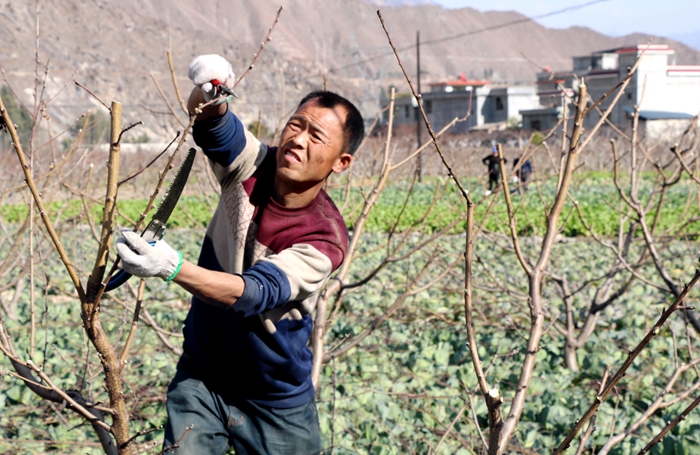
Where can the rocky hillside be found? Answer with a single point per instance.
(113, 48)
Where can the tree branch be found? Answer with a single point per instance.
(626, 364)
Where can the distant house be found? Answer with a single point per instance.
(553, 90)
(485, 103)
(659, 86)
(661, 125)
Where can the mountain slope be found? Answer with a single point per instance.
(113, 47)
(691, 39)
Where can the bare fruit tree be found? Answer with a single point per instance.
(536, 268)
(113, 352)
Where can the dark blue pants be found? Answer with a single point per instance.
(247, 427)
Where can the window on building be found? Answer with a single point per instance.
(499, 103)
(407, 111)
(428, 106)
(629, 96)
(535, 125)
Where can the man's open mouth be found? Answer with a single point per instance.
(292, 156)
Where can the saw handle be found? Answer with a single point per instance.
(121, 276)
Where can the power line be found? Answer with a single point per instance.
(515, 22)
(476, 32)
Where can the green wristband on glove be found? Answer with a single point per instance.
(177, 269)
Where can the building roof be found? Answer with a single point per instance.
(650, 48)
(466, 83)
(463, 81)
(659, 115)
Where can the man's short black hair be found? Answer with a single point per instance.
(354, 125)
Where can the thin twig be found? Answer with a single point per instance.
(449, 428)
(262, 46)
(134, 125)
(177, 443)
(137, 173)
(418, 97)
(173, 75)
(139, 434)
(134, 324)
(670, 426)
(524, 263)
(92, 94)
(165, 99)
(32, 296)
(426, 144)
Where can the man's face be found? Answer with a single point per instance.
(312, 146)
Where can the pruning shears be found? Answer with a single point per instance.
(156, 228)
(223, 88)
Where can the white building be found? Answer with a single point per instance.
(661, 89)
(488, 105)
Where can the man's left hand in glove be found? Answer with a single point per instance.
(142, 259)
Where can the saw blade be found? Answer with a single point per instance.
(167, 205)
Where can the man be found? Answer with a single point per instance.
(244, 378)
(494, 170)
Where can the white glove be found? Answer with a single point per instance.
(139, 258)
(206, 68)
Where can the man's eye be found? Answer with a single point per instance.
(294, 125)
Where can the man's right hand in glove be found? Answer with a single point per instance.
(202, 71)
(139, 258)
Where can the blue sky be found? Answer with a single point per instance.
(669, 18)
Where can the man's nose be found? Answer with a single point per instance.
(301, 138)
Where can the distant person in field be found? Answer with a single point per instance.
(494, 170)
(524, 174)
(244, 379)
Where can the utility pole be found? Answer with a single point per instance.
(418, 116)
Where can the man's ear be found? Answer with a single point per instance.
(342, 163)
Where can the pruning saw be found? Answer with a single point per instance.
(156, 228)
